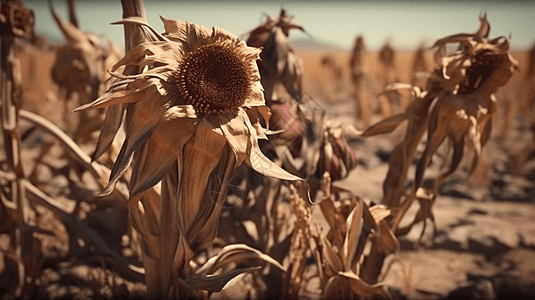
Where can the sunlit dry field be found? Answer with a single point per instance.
(198, 166)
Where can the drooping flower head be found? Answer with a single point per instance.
(210, 74)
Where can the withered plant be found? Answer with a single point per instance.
(529, 79)
(353, 226)
(16, 21)
(358, 72)
(387, 59)
(457, 106)
(280, 67)
(34, 214)
(193, 114)
(335, 85)
(206, 116)
(302, 144)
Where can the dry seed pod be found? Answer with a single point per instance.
(337, 157)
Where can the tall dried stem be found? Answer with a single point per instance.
(16, 21)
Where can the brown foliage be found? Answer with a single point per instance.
(184, 209)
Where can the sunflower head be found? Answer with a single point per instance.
(215, 78)
(478, 63)
(482, 64)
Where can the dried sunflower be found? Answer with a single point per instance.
(457, 105)
(192, 118)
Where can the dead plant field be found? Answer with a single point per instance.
(195, 165)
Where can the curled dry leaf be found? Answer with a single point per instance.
(236, 253)
(341, 260)
(219, 282)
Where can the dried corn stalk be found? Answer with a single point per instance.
(358, 72)
(419, 70)
(23, 205)
(16, 21)
(457, 105)
(387, 60)
(335, 85)
(194, 118)
(529, 87)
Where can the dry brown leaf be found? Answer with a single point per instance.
(354, 224)
(219, 282)
(337, 288)
(389, 244)
(387, 125)
(331, 257)
(235, 253)
(361, 288)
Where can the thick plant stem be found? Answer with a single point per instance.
(152, 265)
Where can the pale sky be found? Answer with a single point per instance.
(337, 23)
